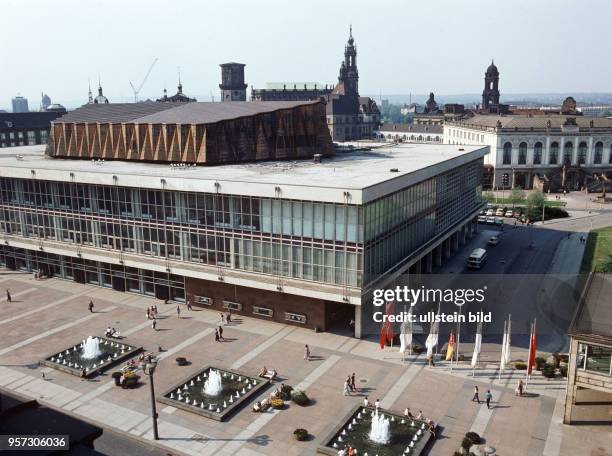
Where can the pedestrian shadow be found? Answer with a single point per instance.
(185, 318)
(163, 329)
(228, 339)
(316, 358)
(499, 407)
(530, 395)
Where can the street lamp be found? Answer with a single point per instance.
(149, 369)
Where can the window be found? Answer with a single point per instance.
(596, 359)
(43, 136)
(598, 153)
(582, 152)
(203, 300)
(507, 157)
(522, 157)
(31, 137)
(537, 153)
(554, 153)
(263, 311)
(567, 153)
(296, 318)
(232, 305)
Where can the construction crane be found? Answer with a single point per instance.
(137, 91)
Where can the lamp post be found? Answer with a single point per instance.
(149, 369)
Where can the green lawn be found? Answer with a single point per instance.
(598, 251)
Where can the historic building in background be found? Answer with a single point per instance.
(27, 128)
(490, 94)
(349, 116)
(233, 87)
(201, 133)
(100, 99)
(178, 97)
(549, 152)
(291, 91)
(412, 133)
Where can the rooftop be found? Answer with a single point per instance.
(192, 113)
(366, 173)
(535, 121)
(294, 85)
(411, 128)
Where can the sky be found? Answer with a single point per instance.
(404, 46)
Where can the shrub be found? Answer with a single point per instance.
(299, 397)
(474, 437)
(466, 443)
(286, 392)
(300, 434)
(563, 370)
(116, 374)
(277, 403)
(520, 365)
(539, 362)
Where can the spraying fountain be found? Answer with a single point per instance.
(213, 386)
(91, 348)
(379, 432)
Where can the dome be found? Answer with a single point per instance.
(492, 68)
(55, 107)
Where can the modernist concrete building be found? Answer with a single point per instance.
(589, 377)
(553, 152)
(299, 241)
(27, 128)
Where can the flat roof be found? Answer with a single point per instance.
(365, 173)
(177, 112)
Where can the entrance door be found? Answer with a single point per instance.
(118, 283)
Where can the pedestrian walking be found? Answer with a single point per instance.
(488, 398)
(154, 311)
(148, 313)
(91, 305)
(178, 311)
(222, 318)
(221, 333)
(189, 305)
(306, 352)
(476, 397)
(154, 324)
(217, 335)
(8, 296)
(430, 361)
(366, 402)
(520, 388)
(346, 388)
(353, 387)
(43, 376)
(229, 316)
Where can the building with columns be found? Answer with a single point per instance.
(550, 152)
(301, 241)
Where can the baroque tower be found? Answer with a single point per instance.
(349, 75)
(232, 84)
(490, 94)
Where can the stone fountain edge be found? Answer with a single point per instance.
(323, 447)
(230, 410)
(71, 370)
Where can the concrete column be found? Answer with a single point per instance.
(455, 239)
(427, 263)
(464, 231)
(437, 256)
(570, 392)
(447, 248)
(358, 322)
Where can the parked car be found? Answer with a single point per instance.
(493, 241)
(499, 212)
(498, 221)
(490, 212)
(490, 220)
(482, 219)
(517, 214)
(483, 212)
(509, 214)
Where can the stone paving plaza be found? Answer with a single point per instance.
(46, 316)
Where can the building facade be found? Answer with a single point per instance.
(290, 91)
(233, 87)
(20, 104)
(411, 133)
(549, 152)
(27, 128)
(299, 242)
(350, 116)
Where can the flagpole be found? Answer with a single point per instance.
(529, 356)
(503, 352)
(438, 313)
(459, 334)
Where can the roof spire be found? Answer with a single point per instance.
(90, 96)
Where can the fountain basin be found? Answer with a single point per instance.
(71, 359)
(220, 406)
(359, 435)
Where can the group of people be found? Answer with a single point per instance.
(347, 451)
(151, 312)
(488, 396)
(270, 374)
(349, 385)
(112, 332)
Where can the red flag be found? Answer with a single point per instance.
(386, 331)
(532, 349)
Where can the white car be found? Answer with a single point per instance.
(482, 219)
(509, 214)
(499, 212)
(491, 220)
(490, 212)
(494, 240)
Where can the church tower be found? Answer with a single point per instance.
(348, 70)
(490, 94)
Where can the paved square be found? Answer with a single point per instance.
(47, 315)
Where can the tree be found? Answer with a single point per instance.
(535, 203)
(517, 196)
(489, 197)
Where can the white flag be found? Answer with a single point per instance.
(477, 345)
(508, 341)
(502, 364)
(432, 339)
(406, 334)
